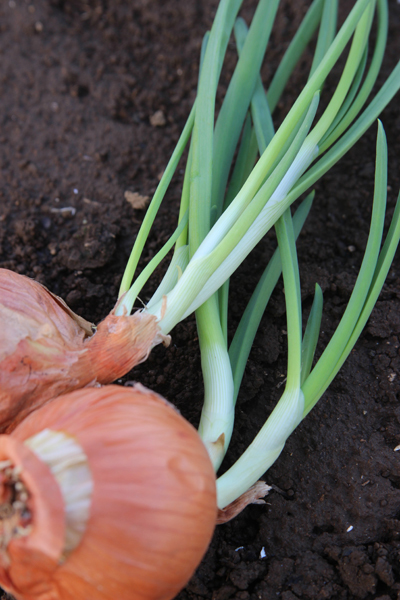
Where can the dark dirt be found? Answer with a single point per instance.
(80, 81)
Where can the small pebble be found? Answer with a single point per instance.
(158, 119)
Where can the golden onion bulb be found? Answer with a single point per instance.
(47, 350)
(106, 493)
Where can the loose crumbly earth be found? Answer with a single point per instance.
(94, 96)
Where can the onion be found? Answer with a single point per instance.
(47, 350)
(106, 493)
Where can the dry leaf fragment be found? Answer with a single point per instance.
(254, 495)
(136, 200)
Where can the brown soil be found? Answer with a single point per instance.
(80, 82)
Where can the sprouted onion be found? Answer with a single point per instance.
(215, 233)
(105, 493)
(47, 350)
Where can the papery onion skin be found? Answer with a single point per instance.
(153, 507)
(47, 350)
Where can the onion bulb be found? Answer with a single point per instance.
(47, 350)
(106, 493)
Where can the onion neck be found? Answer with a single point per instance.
(120, 343)
(70, 468)
(15, 516)
(32, 520)
(46, 491)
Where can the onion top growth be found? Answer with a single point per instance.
(228, 204)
